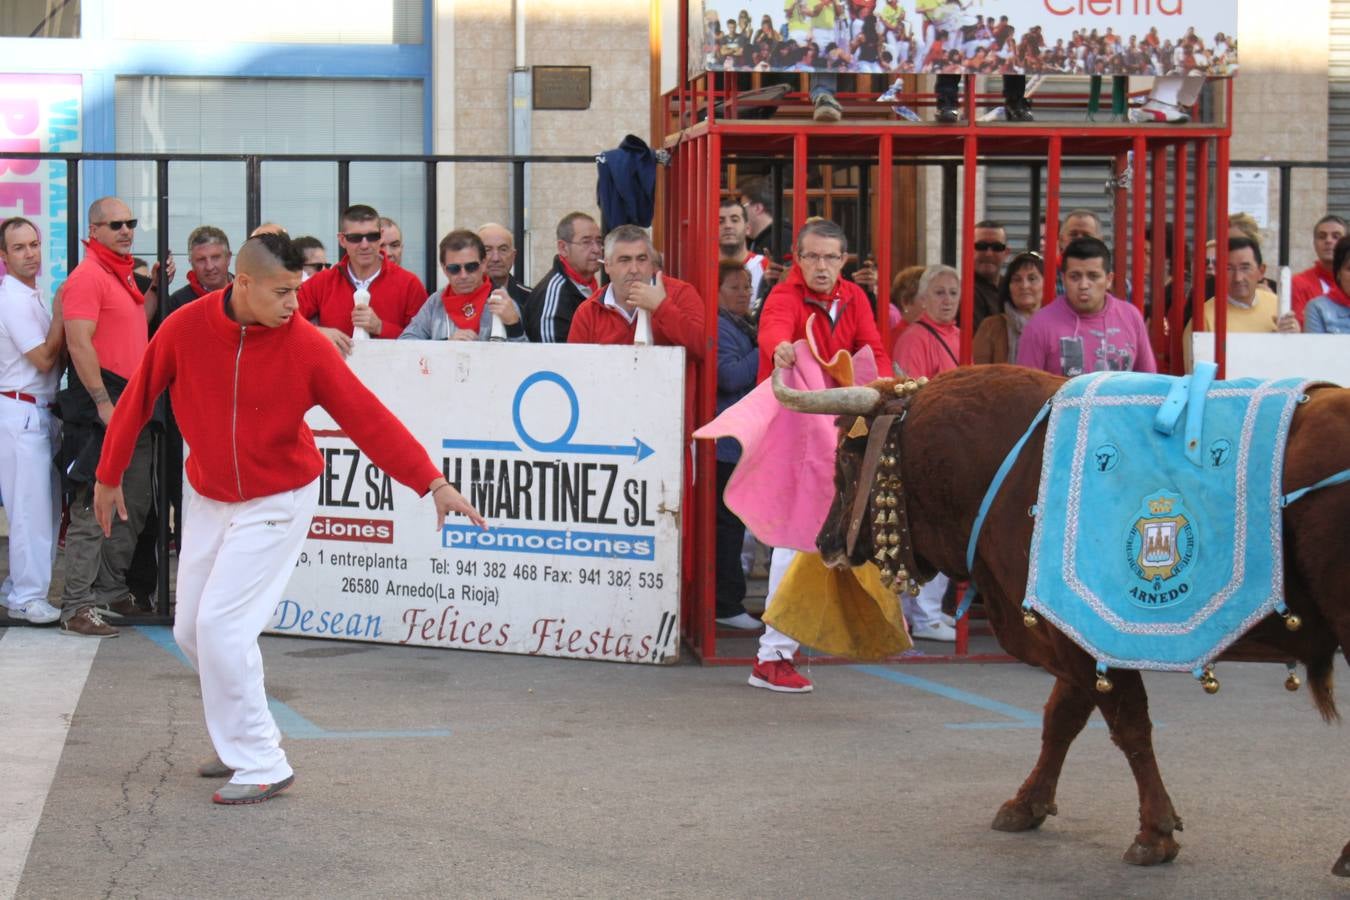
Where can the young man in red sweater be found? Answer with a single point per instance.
(392, 294)
(242, 369)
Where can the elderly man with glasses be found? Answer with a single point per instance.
(814, 294)
(465, 309)
(554, 300)
(107, 329)
(366, 292)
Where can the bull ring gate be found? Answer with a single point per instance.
(1168, 187)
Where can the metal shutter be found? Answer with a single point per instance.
(1338, 123)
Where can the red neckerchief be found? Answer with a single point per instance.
(120, 266)
(1338, 296)
(591, 284)
(466, 310)
(798, 280)
(195, 283)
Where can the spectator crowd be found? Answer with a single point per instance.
(599, 289)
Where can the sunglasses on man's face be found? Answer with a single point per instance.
(119, 224)
(456, 268)
(370, 237)
(987, 246)
(316, 266)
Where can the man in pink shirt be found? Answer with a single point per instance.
(1086, 329)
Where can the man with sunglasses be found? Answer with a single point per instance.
(314, 255)
(464, 310)
(394, 294)
(991, 252)
(107, 329)
(554, 300)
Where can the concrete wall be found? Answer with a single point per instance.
(473, 105)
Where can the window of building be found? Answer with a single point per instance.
(276, 116)
(40, 18)
(267, 21)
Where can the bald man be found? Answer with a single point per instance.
(501, 260)
(269, 228)
(243, 369)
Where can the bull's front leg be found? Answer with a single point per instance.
(1126, 712)
(1066, 712)
(1342, 868)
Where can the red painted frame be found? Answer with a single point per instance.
(693, 190)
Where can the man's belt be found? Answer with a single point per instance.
(26, 398)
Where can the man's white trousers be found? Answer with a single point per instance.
(29, 486)
(233, 564)
(773, 644)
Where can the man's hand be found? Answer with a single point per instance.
(1287, 324)
(464, 334)
(866, 276)
(502, 307)
(449, 500)
(340, 340)
(106, 499)
(364, 317)
(784, 356)
(646, 296)
(773, 271)
(105, 411)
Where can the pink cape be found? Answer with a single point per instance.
(784, 483)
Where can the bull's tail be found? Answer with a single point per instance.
(1320, 685)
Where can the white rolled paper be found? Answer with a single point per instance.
(498, 330)
(1286, 290)
(642, 334)
(361, 298)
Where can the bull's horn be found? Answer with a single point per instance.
(842, 401)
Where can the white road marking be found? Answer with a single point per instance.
(42, 675)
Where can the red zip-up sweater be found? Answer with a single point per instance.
(396, 295)
(677, 322)
(789, 307)
(240, 394)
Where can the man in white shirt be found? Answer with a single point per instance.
(32, 341)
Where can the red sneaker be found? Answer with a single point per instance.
(780, 675)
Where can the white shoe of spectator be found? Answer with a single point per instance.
(935, 631)
(743, 621)
(949, 621)
(39, 612)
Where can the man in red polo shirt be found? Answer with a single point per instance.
(390, 295)
(107, 328)
(1318, 280)
(243, 370)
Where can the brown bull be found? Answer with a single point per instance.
(952, 438)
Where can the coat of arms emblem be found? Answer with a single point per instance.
(1160, 546)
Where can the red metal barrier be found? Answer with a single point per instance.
(701, 143)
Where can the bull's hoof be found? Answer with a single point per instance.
(1162, 850)
(1016, 815)
(1342, 867)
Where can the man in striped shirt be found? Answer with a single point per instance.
(548, 315)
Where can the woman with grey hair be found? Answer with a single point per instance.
(933, 343)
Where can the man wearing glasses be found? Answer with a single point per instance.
(314, 255)
(991, 252)
(814, 286)
(554, 300)
(390, 295)
(465, 309)
(107, 328)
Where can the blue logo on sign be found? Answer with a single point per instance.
(563, 444)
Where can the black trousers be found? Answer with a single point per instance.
(729, 538)
(949, 87)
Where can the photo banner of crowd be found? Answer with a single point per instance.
(966, 37)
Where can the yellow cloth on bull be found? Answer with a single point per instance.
(843, 612)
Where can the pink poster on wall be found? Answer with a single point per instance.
(40, 114)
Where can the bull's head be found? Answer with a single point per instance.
(866, 517)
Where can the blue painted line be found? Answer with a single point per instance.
(1020, 717)
(292, 724)
(449, 444)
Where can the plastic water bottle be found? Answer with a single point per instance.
(642, 333)
(361, 298)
